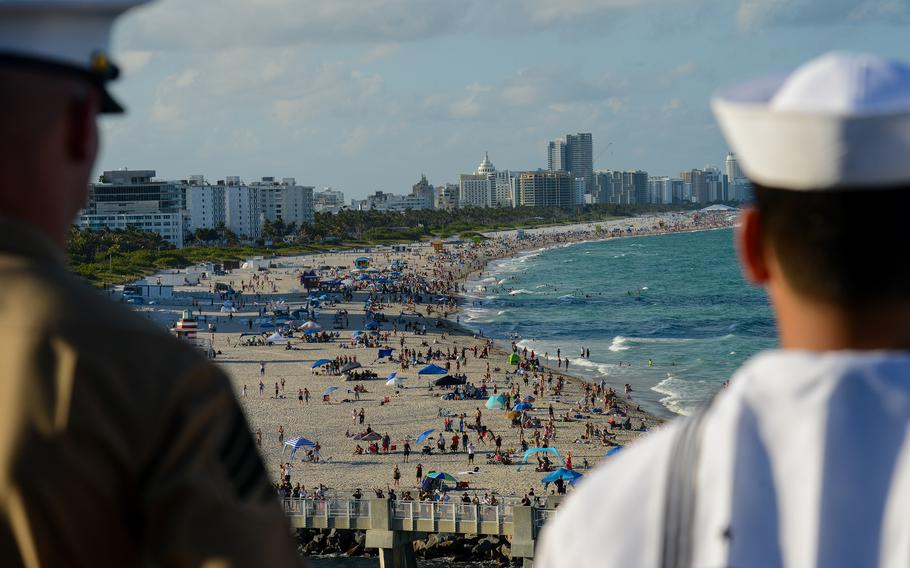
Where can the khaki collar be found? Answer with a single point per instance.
(19, 238)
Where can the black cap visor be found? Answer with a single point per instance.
(108, 105)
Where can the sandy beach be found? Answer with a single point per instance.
(405, 412)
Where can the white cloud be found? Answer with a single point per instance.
(469, 105)
(355, 140)
(195, 24)
(758, 13)
(548, 12)
(166, 114)
(206, 25)
(381, 51)
(185, 79)
(331, 90)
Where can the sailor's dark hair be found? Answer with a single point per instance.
(846, 247)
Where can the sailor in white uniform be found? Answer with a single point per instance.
(805, 459)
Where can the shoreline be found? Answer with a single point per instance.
(502, 342)
(411, 410)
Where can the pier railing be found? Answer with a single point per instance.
(422, 516)
(392, 525)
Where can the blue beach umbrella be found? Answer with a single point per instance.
(433, 370)
(563, 474)
(320, 363)
(614, 451)
(392, 376)
(300, 442)
(424, 436)
(522, 406)
(330, 390)
(372, 325)
(532, 451)
(385, 352)
(311, 331)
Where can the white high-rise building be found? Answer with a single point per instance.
(328, 200)
(739, 187)
(486, 187)
(662, 189)
(447, 197)
(502, 189)
(285, 200)
(204, 204)
(580, 187)
(556, 155)
(242, 210)
(474, 190)
(732, 169)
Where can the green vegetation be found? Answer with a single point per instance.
(105, 257)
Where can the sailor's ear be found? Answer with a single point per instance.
(753, 254)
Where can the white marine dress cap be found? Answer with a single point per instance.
(841, 121)
(63, 36)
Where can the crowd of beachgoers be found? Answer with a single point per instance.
(352, 366)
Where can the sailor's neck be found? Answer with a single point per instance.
(816, 326)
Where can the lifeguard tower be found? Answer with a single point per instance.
(187, 326)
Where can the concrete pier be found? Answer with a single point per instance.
(392, 526)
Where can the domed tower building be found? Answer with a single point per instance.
(486, 187)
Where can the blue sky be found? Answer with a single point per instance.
(365, 95)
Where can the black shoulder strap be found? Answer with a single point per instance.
(679, 501)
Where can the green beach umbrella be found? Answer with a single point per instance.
(514, 359)
(442, 476)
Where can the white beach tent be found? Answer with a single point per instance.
(277, 338)
(719, 207)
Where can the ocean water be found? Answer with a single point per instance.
(678, 300)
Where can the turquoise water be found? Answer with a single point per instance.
(678, 300)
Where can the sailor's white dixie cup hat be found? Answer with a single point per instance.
(841, 121)
(71, 36)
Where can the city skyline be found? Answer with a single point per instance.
(366, 96)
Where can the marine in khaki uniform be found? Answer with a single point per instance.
(119, 446)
